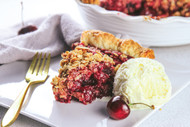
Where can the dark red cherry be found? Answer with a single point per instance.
(117, 108)
(27, 29)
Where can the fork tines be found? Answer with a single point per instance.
(37, 66)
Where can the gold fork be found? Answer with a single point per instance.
(35, 74)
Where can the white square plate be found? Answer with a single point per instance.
(41, 105)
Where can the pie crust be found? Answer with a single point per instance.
(104, 40)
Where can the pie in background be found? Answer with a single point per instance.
(154, 8)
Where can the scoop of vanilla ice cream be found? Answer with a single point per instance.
(142, 80)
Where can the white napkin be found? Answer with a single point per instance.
(55, 33)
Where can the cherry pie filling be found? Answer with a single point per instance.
(155, 8)
(86, 73)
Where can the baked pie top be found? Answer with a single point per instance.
(104, 40)
(87, 72)
(155, 8)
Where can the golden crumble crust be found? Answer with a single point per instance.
(80, 57)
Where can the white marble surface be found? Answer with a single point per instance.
(176, 113)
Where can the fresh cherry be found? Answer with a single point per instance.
(27, 29)
(118, 107)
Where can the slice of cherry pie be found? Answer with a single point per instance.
(87, 71)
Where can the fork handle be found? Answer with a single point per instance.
(14, 110)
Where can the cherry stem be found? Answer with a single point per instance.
(22, 13)
(152, 106)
